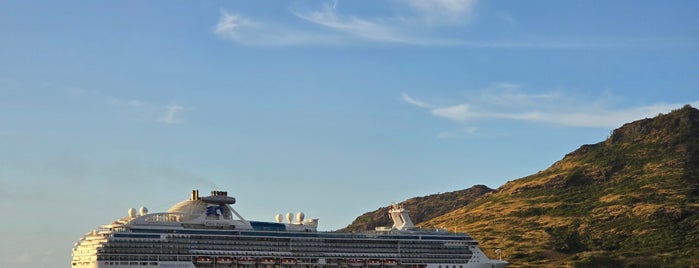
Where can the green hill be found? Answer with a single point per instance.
(421, 208)
(628, 201)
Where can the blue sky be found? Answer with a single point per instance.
(333, 108)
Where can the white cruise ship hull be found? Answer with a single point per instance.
(207, 233)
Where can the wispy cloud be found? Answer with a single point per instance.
(131, 108)
(149, 111)
(353, 26)
(508, 102)
(337, 28)
(171, 114)
(247, 31)
(412, 101)
(457, 133)
(443, 11)
(416, 23)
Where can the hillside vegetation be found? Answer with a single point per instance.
(628, 201)
(421, 208)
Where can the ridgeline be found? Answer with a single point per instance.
(631, 200)
(421, 208)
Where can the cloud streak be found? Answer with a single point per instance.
(443, 11)
(412, 101)
(508, 102)
(247, 31)
(355, 27)
(171, 115)
(439, 23)
(327, 26)
(133, 108)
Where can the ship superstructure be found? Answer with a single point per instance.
(208, 232)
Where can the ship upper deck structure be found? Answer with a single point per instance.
(208, 232)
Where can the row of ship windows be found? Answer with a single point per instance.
(119, 263)
(311, 235)
(348, 239)
(139, 243)
(271, 249)
(309, 255)
(143, 258)
(131, 259)
(284, 249)
(285, 243)
(156, 264)
(298, 254)
(297, 250)
(326, 244)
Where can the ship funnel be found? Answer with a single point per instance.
(400, 217)
(195, 195)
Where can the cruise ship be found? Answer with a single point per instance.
(207, 232)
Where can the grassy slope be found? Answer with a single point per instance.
(630, 200)
(420, 208)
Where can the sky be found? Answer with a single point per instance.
(333, 108)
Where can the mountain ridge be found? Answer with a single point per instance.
(419, 207)
(630, 200)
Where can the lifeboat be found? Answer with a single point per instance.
(374, 262)
(204, 260)
(390, 262)
(224, 260)
(247, 260)
(268, 261)
(355, 262)
(288, 261)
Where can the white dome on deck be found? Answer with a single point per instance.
(196, 207)
(143, 211)
(132, 212)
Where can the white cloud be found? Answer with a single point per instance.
(417, 23)
(418, 103)
(610, 117)
(247, 31)
(457, 133)
(135, 103)
(509, 95)
(231, 23)
(443, 11)
(458, 112)
(171, 114)
(341, 29)
(507, 102)
(133, 109)
(382, 30)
